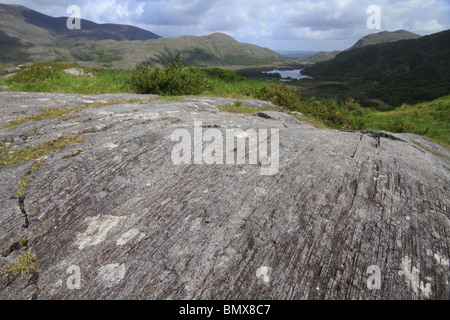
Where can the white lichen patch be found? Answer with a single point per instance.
(264, 273)
(443, 261)
(127, 236)
(97, 230)
(412, 278)
(110, 145)
(111, 274)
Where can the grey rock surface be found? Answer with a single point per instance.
(78, 72)
(120, 220)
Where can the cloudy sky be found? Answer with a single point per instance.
(277, 24)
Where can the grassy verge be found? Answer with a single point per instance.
(48, 77)
(430, 119)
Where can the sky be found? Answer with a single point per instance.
(301, 25)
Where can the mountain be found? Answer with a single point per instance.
(214, 49)
(384, 37)
(398, 72)
(295, 54)
(30, 36)
(34, 28)
(322, 56)
(371, 39)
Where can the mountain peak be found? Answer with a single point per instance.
(383, 37)
(50, 39)
(49, 29)
(220, 35)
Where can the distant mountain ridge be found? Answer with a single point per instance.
(16, 17)
(408, 71)
(371, 39)
(384, 37)
(29, 36)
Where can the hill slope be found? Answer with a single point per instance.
(384, 37)
(35, 28)
(407, 71)
(29, 36)
(371, 39)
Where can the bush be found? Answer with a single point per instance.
(221, 74)
(277, 93)
(173, 79)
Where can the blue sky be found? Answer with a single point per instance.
(280, 25)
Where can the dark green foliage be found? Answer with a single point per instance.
(173, 79)
(257, 74)
(221, 74)
(408, 71)
(277, 93)
(97, 55)
(340, 115)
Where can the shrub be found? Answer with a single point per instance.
(277, 93)
(173, 79)
(221, 74)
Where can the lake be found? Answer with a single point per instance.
(294, 74)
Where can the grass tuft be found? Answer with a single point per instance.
(35, 152)
(23, 265)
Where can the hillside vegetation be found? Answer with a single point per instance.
(384, 37)
(431, 119)
(27, 36)
(371, 39)
(409, 71)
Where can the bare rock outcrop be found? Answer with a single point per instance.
(78, 72)
(344, 215)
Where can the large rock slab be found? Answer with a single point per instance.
(345, 215)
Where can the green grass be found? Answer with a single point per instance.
(48, 77)
(237, 90)
(3, 82)
(43, 115)
(431, 119)
(23, 265)
(32, 153)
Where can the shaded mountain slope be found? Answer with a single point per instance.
(406, 71)
(371, 39)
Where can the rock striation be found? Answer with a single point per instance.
(346, 215)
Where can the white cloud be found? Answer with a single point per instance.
(430, 26)
(278, 24)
